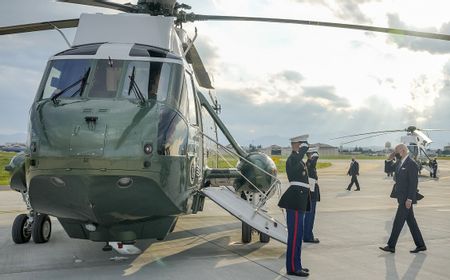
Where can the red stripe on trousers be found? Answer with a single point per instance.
(294, 242)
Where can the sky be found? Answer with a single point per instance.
(276, 81)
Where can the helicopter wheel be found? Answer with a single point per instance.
(246, 233)
(21, 232)
(42, 229)
(264, 238)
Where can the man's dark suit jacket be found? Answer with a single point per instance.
(354, 169)
(406, 179)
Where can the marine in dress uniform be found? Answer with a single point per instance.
(308, 235)
(405, 190)
(296, 200)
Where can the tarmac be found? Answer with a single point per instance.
(350, 225)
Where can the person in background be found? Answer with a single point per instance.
(354, 172)
(313, 156)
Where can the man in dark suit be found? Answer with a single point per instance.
(434, 168)
(354, 172)
(296, 200)
(308, 235)
(405, 190)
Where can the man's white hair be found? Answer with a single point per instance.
(402, 147)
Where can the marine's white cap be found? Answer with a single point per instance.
(301, 138)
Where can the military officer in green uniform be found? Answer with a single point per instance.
(296, 200)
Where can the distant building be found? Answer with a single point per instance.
(324, 150)
(447, 148)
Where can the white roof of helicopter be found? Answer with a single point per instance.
(416, 137)
(156, 31)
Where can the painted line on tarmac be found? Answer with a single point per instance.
(443, 210)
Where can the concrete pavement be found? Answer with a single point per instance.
(350, 225)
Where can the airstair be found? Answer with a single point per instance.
(254, 216)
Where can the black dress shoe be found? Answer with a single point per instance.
(305, 269)
(387, 249)
(315, 240)
(418, 249)
(357, 190)
(300, 273)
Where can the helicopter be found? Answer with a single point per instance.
(416, 139)
(115, 147)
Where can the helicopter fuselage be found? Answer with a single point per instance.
(115, 139)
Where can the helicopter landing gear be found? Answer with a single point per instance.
(247, 230)
(42, 229)
(246, 233)
(21, 230)
(33, 225)
(264, 238)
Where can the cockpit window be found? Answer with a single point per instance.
(65, 75)
(109, 78)
(105, 79)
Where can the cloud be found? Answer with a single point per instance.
(348, 10)
(326, 93)
(289, 76)
(419, 44)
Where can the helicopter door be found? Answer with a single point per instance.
(195, 141)
(258, 219)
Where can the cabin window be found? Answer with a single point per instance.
(192, 109)
(65, 75)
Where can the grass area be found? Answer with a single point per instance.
(4, 160)
(229, 162)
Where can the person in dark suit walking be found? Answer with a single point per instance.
(354, 172)
(405, 190)
(296, 200)
(308, 235)
(434, 168)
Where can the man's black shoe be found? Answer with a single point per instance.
(418, 249)
(305, 269)
(315, 240)
(387, 249)
(300, 273)
(357, 190)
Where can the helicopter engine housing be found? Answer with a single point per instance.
(252, 178)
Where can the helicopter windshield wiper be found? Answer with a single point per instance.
(134, 87)
(83, 83)
(82, 80)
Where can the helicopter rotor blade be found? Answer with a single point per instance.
(199, 68)
(369, 133)
(103, 4)
(433, 129)
(393, 31)
(39, 26)
(367, 137)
